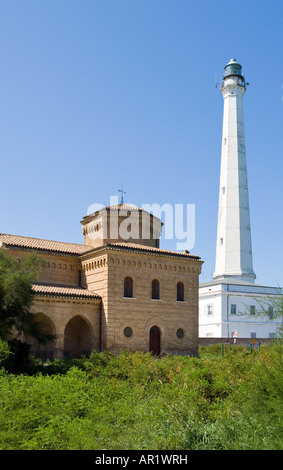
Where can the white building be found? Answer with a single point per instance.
(231, 302)
(229, 306)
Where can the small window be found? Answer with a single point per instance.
(128, 287)
(253, 335)
(180, 292)
(128, 332)
(252, 309)
(155, 290)
(209, 309)
(270, 312)
(180, 333)
(233, 309)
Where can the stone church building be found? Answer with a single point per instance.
(114, 292)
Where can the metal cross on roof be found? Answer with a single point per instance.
(122, 194)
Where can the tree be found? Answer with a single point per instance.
(267, 307)
(16, 297)
(270, 306)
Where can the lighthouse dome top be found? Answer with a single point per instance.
(233, 68)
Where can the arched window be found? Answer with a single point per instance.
(155, 290)
(180, 292)
(128, 287)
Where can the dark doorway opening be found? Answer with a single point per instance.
(77, 339)
(154, 340)
(43, 351)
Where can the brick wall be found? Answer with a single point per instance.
(140, 313)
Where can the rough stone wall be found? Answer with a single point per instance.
(103, 272)
(94, 268)
(58, 269)
(61, 311)
(141, 312)
(134, 226)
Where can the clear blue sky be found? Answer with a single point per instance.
(99, 93)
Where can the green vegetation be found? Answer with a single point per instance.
(16, 297)
(134, 401)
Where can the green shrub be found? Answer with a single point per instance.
(19, 360)
(4, 351)
(135, 401)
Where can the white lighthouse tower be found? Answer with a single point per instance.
(234, 247)
(231, 304)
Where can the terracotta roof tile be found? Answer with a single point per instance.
(76, 249)
(135, 246)
(40, 244)
(54, 290)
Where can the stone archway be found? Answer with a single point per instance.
(154, 340)
(77, 337)
(44, 351)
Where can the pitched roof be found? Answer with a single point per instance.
(18, 241)
(122, 207)
(151, 249)
(41, 244)
(54, 290)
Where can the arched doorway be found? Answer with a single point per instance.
(44, 351)
(154, 340)
(77, 338)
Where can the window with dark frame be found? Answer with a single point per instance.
(233, 310)
(252, 309)
(270, 312)
(155, 290)
(209, 309)
(128, 287)
(180, 292)
(180, 333)
(128, 332)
